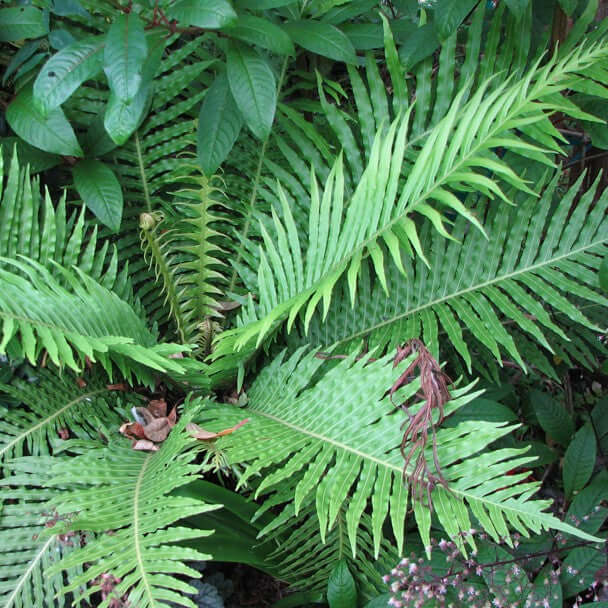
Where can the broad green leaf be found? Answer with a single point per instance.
(260, 5)
(51, 133)
(603, 274)
(552, 417)
(579, 460)
(341, 590)
(19, 22)
(123, 117)
(20, 57)
(219, 124)
(449, 14)
(65, 71)
(262, 32)
(379, 602)
(568, 6)
(419, 45)
(517, 7)
(100, 191)
(59, 39)
(124, 55)
(209, 14)
(322, 38)
(66, 8)
(364, 36)
(253, 87)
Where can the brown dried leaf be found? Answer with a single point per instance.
(81, 382)
(133, 430)
(158, 408)
(121, 386)
(157, 430)
(145, 444)
(143, 415)
(200, 433)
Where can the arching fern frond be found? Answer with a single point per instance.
(128, 492)
(50, 404)
(84, 319)
(29, 551)
(185, 252)
(457, 156)
(541, 259)
(32, 226)
(340, 427)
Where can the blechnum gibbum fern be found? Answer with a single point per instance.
(395, 187)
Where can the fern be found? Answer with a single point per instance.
(184, 252)
(84, 319)
(32, 226)
(118, 489)
(33, 414)
(376, 217)
(517, 275)
(299, 433)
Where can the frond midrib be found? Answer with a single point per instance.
(546, 518)
(136, 532)
(328, 440)
(476, 287)
(48, 419)
(25, 575)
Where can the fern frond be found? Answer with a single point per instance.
(128, 492)
(29, 551)
(537, 262)
(456, 157)
(30, 225)
(344, 430)
(52, 403)
(83, 319)
(306, 561)
(184, 253)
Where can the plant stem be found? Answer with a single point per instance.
(142, 172)
(256, 181)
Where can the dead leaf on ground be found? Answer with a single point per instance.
(145, 444)
(200, 433)
(152, 424)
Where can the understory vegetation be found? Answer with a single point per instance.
(314, 288)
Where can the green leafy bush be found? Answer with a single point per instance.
(297, 243)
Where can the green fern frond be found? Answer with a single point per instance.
(536, 262)
(83, 319)
(52, 403)
(184, 253)
(32, 226)
(456, 157)
(300, 432)
(29, 551)
(306, 561)
(128, 492)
